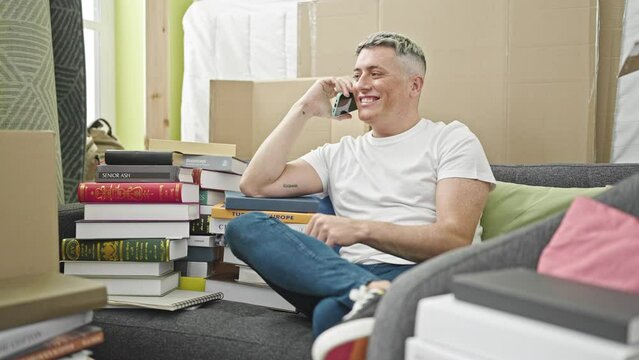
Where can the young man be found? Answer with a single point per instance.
(406, 191)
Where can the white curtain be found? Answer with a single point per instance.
(233, 40)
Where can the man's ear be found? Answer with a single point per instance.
(416, 84)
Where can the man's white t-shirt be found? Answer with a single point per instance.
(393, 179)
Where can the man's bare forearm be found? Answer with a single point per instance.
(271, 157)
(416, 243)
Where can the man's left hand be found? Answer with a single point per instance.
(335, 230)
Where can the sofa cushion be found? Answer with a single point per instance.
(595, 244)
(217, 330)
(511, 206)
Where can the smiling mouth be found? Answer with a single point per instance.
(365, 100)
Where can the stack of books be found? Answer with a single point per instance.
(219, 171)
(247, 286)
(520, 314)
(47, 316)
(136, 223)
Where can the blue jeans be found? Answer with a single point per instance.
(302, 269)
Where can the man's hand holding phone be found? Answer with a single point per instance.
(317, 100)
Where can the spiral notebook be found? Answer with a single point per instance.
(175, 300)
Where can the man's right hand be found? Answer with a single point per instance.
(317, 99)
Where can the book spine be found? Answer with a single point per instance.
(285, 217)
(262, 204)
(66, 345)
(142, 250)
(218, 226)
(203, 254)
(129, 157)
(200, 226)
(130, 192)
(105, 174)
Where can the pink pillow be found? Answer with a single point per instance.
(595, 244)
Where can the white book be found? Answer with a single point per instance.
(117, 268)
(495, 334)
(215, 180)
(201, 240)
(218, 226)
(22, 337)
(85, 229)
(141, 212)
(230, 258)
(195, 268)
(139, 285)
(248, 275)
(211, 197)
(249, 294)
(420, 349)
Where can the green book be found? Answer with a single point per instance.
(143, 250)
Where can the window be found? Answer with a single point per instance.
(99, 59)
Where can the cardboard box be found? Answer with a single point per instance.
(30, 286)
(520, 73)
(246, 112)
(329, 32)
(29, 214)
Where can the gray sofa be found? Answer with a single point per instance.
(228, 330)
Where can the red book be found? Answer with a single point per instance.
(91, 192)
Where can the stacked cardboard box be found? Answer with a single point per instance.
(37, 302)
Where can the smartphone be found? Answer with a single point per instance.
(344, 104)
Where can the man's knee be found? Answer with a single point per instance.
(243, 229)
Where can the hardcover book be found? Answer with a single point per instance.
(249, 294)
(117, 268)
(187, 147)
(591, 309)
(211, 197)
(221, 212)
(137, 250)
(144, 157)
(487, 333)
(237, 201)
(139, 285)
(230, 258)
(67, 343)
(141, 212)
(175, 300)
(91, 192)
(200, 226)
(19, 338)
(195, 269)
(204, 254)
(215, 180)
(86, 229)
(146, 174)
(218, 226)
(201, 240)
(227, 164)
(250, 276)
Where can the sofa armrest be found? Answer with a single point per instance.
(67, 215)
(395, 316)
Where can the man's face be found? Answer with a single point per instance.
(381, 85)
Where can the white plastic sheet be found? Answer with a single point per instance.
(233, 40)
(625, 137)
